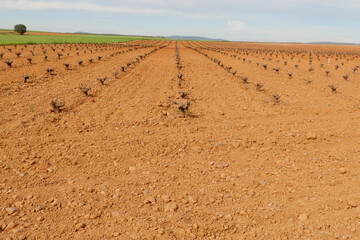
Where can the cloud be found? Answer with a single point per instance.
(77, 5)
(236, 26)
(267, 20)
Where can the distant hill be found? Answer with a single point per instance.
(113, 34)
(194, 38)
(332, 43)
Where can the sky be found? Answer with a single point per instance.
(235, 20)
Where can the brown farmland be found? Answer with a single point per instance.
(179, 140)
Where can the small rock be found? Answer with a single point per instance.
(19, 204)
(115, 214)
(40, 219)
(352, 203)
(80, 226)
(236, 145)
(150, 200)
(132, 169)
(11, 225)
(161, 231)
(39, 208)
(192, 200)
(166, 198)
(332, 183)
(303, 217)
(11, 211)
(342, 170)
(223, 165)
(171, 207)
(311, 136)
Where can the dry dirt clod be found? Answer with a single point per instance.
(79, 226)
(11, 225)
(342, 170)
(11, 211)
(311, 135)
(303, 217)
(171, 207)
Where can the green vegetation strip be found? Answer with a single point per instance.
(12, 39)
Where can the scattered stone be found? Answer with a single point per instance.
(236, 144)
(228, 217)
(19, 204)
(352, 203)
(161, 231)
(79, 226)
(150, 200)
(223, 165)
(132, 169)
(192, 200)
(171, 207)
(166, 198)
(40, 219)
(11, 211)
(10, 225)
(311, 136)
(303, 217)
(342, 170)
(39, 208)
(115, 214)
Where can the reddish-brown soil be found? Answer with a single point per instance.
(124, 162)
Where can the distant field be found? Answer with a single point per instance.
(9, 38)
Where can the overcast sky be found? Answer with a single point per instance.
(240, 20)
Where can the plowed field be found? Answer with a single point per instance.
(182, 140)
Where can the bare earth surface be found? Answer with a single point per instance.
(124, 162)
